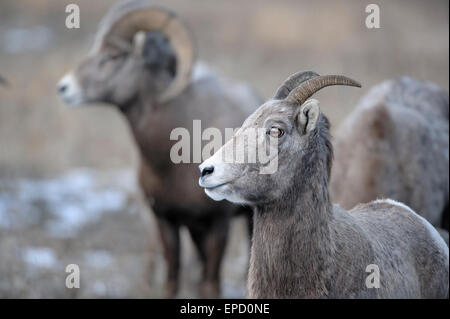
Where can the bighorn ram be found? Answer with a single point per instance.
(141, 62)
(303, 246)
(395, 145)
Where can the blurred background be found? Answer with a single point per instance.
(68, 189)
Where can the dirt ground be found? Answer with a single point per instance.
(68, 191)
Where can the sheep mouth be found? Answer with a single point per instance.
(217, 192)
(207, 187)
(212, 188)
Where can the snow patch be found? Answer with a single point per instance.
(16, 40)
(65, 204)
(41, 257)
(98, 258)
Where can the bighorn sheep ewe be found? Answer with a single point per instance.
(141, 62)
(395, 144)
(303, 246)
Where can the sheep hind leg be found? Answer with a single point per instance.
(198, 234)
(216, 242)
(198, 237)
(170, 237)
(211, 240)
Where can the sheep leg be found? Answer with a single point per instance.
(198, 236)
(170, 237)
(215, 243)
(210, 237)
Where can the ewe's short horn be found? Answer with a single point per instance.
(126, 19)
(292, 82)
(308, 88)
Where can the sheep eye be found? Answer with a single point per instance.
(275, 132)
(116, 56)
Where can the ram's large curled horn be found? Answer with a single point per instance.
(292, 82)
(311, 86)
(124, 20)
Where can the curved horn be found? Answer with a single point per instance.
(308, 88)
(126, 19)
(292, 82)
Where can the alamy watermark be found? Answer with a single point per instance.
(373, 17)
(73, 17)
(251, 145)
(373, 279)
(73, 278)
(372, 20)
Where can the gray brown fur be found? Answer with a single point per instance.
(395, 144)
(303, 246)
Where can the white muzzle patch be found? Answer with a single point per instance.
(69, 90)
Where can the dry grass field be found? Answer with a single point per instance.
(68, 191)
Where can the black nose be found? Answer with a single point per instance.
(62, 88)
(207, 170)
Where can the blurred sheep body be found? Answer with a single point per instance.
(143, 62)
(395, 144)
(303, 246)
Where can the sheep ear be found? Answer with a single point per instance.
(308, 116)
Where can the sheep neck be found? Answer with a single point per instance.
(137, 107)
(292, 245)
(150, 134)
